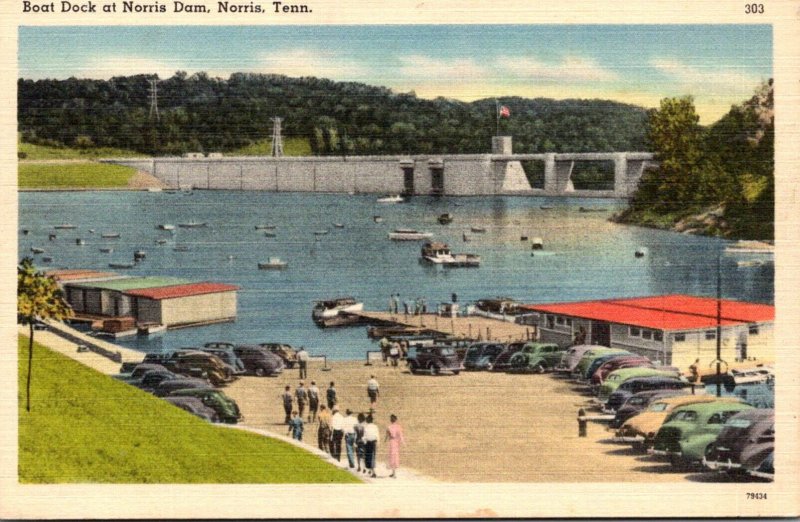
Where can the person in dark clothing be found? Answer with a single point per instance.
(313, 401)
(287, 403)
(302, 398)
(296, 426)
(331, 396)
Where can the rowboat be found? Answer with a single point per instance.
(407, 234)
(110, 235)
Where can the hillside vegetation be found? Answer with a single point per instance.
(201, 113)
(86, 427)
(77, 175)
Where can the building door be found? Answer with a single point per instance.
(408, 181)
(601, 333)
(437, 181)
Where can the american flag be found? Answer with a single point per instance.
(504, 112)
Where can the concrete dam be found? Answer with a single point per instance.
(498, 173)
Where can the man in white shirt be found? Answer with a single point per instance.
(337, 425)
(302, 362)
(372, 391)
(349, 429)
(371, 435)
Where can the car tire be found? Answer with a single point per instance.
(456, 372)
(540, 368)
(412, 367)
(433, 369)
(677, 462)
(259, 372)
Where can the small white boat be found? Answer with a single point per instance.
(746, 263)
(110, 235)
(166, 226)
(377, 219)
(537, 243)
(80, 242)
(439, 254)
(338, 225)
(274, 263)
(395, 198)
(445, 219)
(107, 250)
(91, 231)
(753, 375)
(37, 250)
(265, 227)
(154, 189)
(193, 224)
(65, 226)
(321, 232)
(408, 234)
(334, 312)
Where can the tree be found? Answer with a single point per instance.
(38, 297)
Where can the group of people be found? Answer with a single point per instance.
(415, 307)
(393, 351)
(359, 433)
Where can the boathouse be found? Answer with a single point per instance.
(672, 329)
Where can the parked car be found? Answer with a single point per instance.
(194, 406)
(259, 361)
(152, 378)
(138, 371)
(765, 470)
(228, 356)
(638, 402)
(617, 377)
(642, 428)
(631, 386)
(588, 358)
(633, 361)
(168, 386)
(433, 359)
(572, 356)
(745, 440)
(284, 351)
(481, 356)
(690, 431)
(536, 358)
(226, 408)
(503, 361)
(195, 363)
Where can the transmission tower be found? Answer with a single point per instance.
(154, 99)
(277, 139)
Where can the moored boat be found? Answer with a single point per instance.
(408, 234)
(377, 219)
(335, 312)
(37, 250)
(110, 235)
(106, 250)
(193, 224)
(440, 254)
(65, 226)
(265, 227)
(274, 263)
(121, 265)
(394, 198)
(166, 226)
(477, 230)
(445, 219)
(338, 225)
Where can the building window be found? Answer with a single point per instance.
(711, 335)
(679, 338)
(634, 332)
(658, 336)
(559, 320)
(568, 321)
(647, 334)
(551, 322)
(753, 329)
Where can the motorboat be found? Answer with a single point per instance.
(161, 241)
(106, 250)
(445, 219)
(110, 235)
(65, 226)
(321, 232)
(336, 312)
(439, 254)
(274, 263)
(37, 250)
(338, 225)
(377, 219)
(395, 198)
(265, 227)
(139, 255)
(80, 242)
(537, 243)
(478, 230)
(193, 224)
(121, 265)
(408, 234)
(166, 226)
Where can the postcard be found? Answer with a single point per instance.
(407, 260)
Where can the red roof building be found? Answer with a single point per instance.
(185, 290)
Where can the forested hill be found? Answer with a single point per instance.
(201, 113)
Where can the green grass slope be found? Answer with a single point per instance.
(291, 147)
(43, 152)
(86, 427)
(73, 175)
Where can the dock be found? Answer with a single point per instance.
(471, 327)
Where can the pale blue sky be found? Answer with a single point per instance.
(718, 64)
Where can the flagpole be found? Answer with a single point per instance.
(497, 115)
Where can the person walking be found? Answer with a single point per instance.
(349, 430)
(395, 303)
(302, 363)
(337, 432)
(296, 426)
(330, 395)
(694, 370)
(371, 436)
(302, 398)
(287, 403)
(384, 344)
(394, 353)
(359, 429)
(324, 429)
(373, 389)
(394, 436)
(313, 401)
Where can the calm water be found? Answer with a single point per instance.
(588, 257)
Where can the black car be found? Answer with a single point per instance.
(640, 384)
(744, 442)
(151, 379)
(503, 361)
(433, 359)
(259, 361)
(168, 386)
(481, 356)
(194, 406)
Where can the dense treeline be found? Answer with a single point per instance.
(202, 113)
(720, 180)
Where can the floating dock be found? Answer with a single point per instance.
(470, 327)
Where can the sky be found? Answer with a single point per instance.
(720, 65)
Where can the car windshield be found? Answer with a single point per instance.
(738, 423)
(659, 406)
(447, 351)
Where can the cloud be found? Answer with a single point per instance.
(570, 68)
(442, 70)
(104, 67)
(708, 79)
(304, 62)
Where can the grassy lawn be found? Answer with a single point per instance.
(42, 152)
(73, 175)
(86, 427)
(291, 147)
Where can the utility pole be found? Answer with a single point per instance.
(154, 99)
(277, 139)
(719, 323)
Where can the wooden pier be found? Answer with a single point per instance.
(471, 327)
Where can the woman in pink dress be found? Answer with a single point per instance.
(394, 435)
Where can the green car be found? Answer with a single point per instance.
(590, 356)
(688, 434)
(226, 408)
(536, 358)
(617, 377)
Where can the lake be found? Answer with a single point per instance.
(587, 257)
